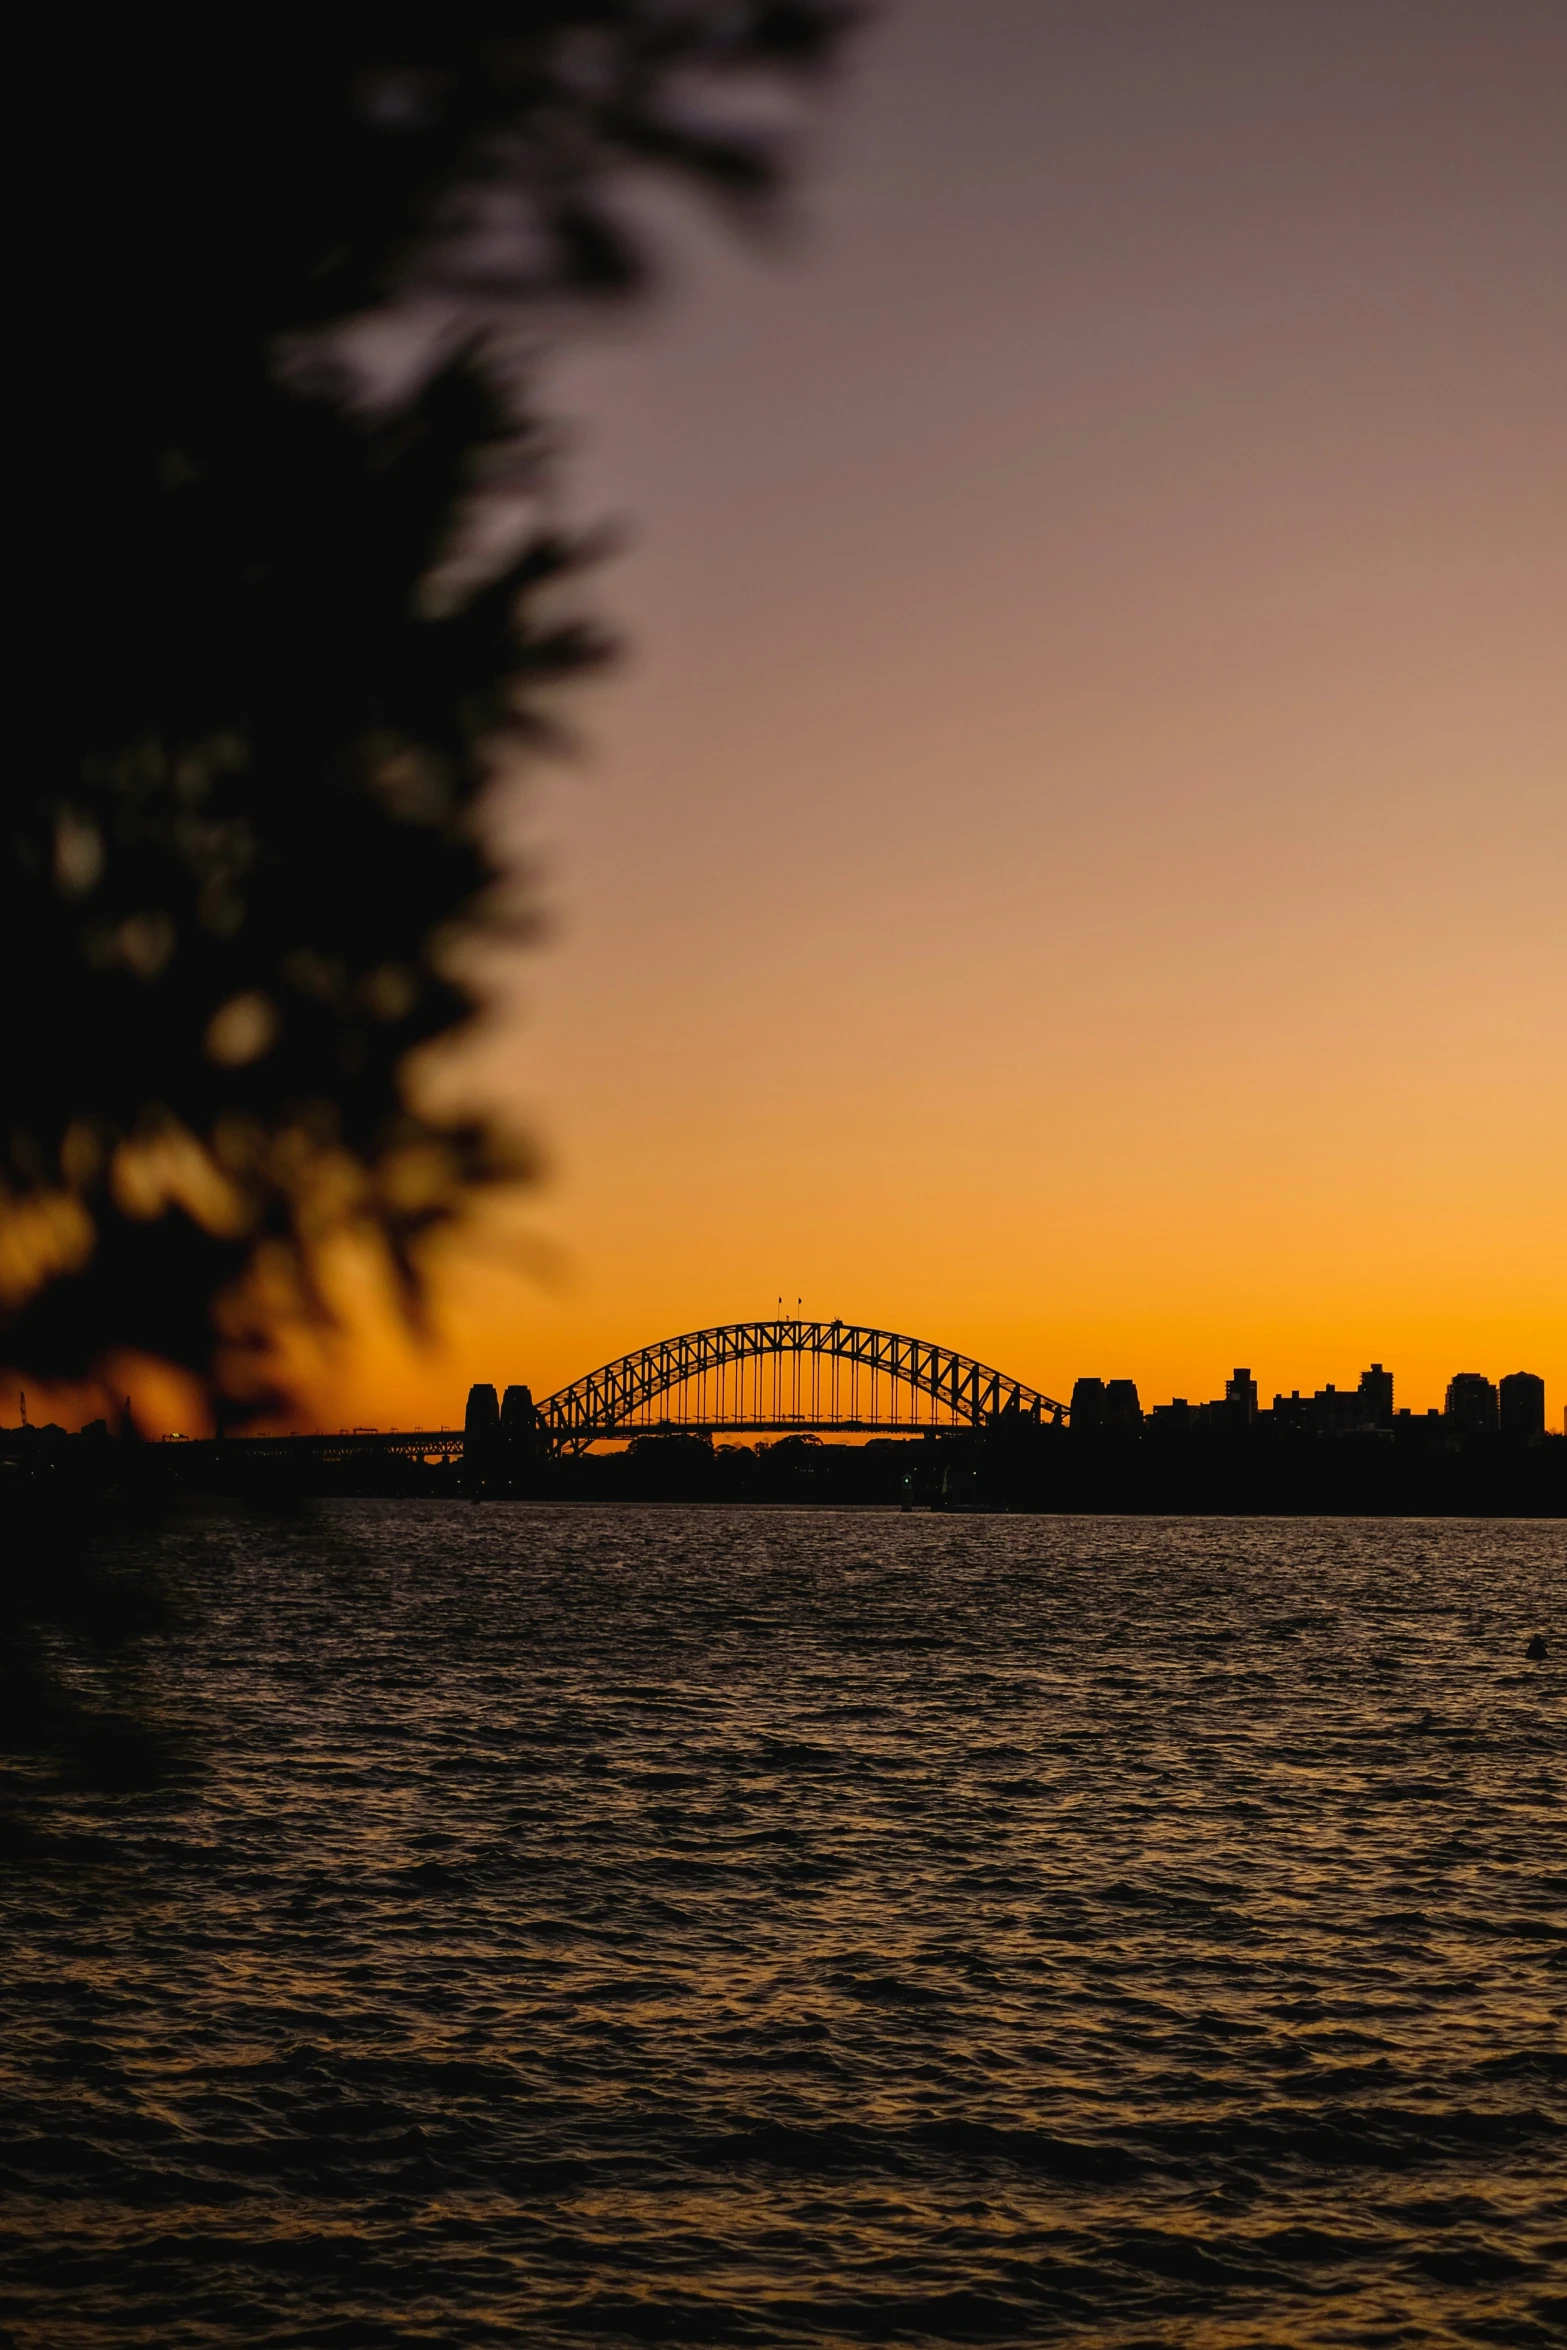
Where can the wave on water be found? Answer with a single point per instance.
(732, 1926)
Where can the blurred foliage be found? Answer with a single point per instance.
(286, 592)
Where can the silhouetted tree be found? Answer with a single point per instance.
(284, 590)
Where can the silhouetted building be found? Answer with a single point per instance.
(1472, 1408)
(483, 1411)
(1105, 1403)
(516, 1407)
(1121, 1407)
(1240, 1394)
(1333, 1411)
(1376, 1397)
(1088, 1404)
(1339, 1411)
(1176, 1414)
(1522, 1404)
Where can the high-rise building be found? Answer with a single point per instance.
(1240, 1393)
(1472, 1408)
(1121, 1408)
(1088, 1405)
(1376, 1396)
(1522, 1404)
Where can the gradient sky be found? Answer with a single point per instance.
(1074, 867)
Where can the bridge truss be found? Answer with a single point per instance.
(744, 1377)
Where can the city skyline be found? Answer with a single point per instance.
(1513, 1404)
(1070, 864)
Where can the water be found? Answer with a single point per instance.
(773, 1928)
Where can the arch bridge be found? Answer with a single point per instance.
(783, 1376)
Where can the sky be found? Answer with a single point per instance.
(1072, 864)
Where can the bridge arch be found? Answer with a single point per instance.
(789, 1374)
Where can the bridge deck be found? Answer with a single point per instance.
(425, 1443)
(420, 1441)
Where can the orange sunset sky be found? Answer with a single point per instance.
(1074, 865)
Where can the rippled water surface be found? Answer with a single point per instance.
(786, 1927)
